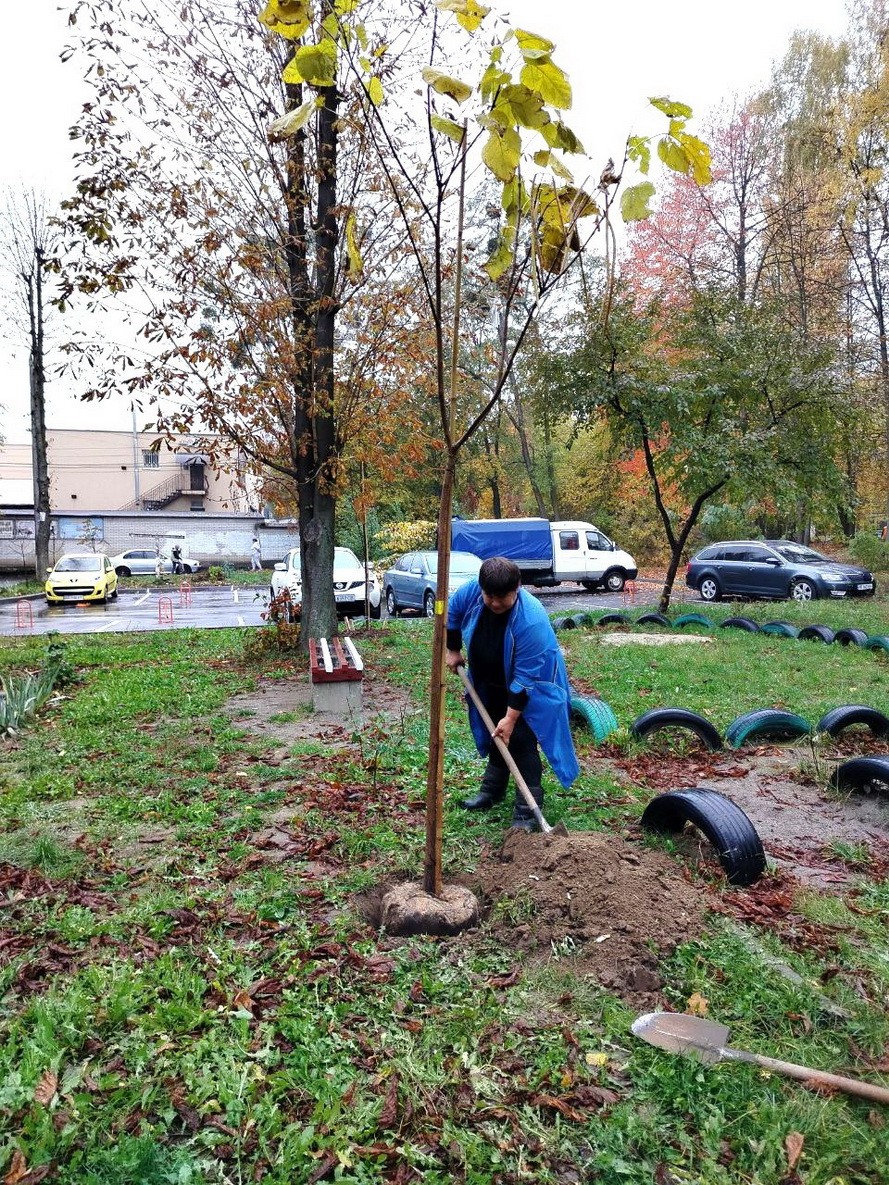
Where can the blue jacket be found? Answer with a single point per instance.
(533, 662)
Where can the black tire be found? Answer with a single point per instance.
(595, 713)
(653, 619)
(429, 604)
(728, 829)
(123, 570)
(783, 629)
(692, 619)
(868, 774)
(564, 623)
(803, 591)
(590, 585)
(816, 633)
(657, 718)
(838, 719)
(391, 604)
(376, 611)
(850, 637)
(740, 623)
(766, 724)
(586, 619)
(710, 589)
(114, 595)
(613, 619)
(876, 642)
(614, 580)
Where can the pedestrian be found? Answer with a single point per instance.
(517, 667)
(176, 556)
(255, 555)
(158, 564)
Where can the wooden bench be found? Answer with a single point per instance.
(337, 671)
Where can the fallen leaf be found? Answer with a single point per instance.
(18, 1168)
(389, 1114)
(46, 1088)
(596, 1059)
(697, 1005)
(793, 1146)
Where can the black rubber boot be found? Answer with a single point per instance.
(492, 792)
(522, 816)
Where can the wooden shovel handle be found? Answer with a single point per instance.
(864, 1090)
(504, 751)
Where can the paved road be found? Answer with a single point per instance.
(221, 607)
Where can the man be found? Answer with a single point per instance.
(519, 674)
(255, 555)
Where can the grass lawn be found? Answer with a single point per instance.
(189, 991)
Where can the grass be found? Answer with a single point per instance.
(179, 1003)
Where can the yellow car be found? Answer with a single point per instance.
(84, 576)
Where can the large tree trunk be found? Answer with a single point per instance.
(37, 372)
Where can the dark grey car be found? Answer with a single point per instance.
(777, 568)
(410, 583)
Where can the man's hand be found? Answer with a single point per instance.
(507, 724)
(454, 659)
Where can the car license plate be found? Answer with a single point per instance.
(864, 587)
(344, 596)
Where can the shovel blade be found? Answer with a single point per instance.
(680, 1033)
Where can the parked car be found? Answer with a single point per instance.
(776, 568)
(410, 582)
(143, 562)
(348, 582)
(87, 576)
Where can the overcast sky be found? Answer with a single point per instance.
(616, 54)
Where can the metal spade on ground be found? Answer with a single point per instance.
(707, 1040)
(560, 828)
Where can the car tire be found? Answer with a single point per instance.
(740, 623)
(782, 629)
(850, 637)
(709, 588)
(564, 623)
(614, 580)
(595, 713)
(429, 605)
(816, 633)
(653, 619)
(654, 720)
(614, 619)
(114, 595)
(122, 570)
(734, 838)
(803, 591)
(590, 585)
(766, 724)
(862, 773)
(391, 604)
(876, 642)
(693, 619)
(838, 719)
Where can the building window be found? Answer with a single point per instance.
(150, 459)
(197, 504)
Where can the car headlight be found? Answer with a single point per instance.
(832, 579)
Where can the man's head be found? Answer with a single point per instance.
(499, 580)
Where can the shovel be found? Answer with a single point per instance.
(706, 1041)
(560, 828)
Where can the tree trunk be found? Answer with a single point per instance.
(37, 375)
(517, 415)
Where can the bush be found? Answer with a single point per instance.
(870, 552)
(396, 538)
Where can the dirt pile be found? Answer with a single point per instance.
(612, 907)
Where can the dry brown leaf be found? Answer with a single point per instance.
(389, 1114)
(697, 1005)
(46, 1088)
(18, 1169)
(793, 1146)
(242, 1000)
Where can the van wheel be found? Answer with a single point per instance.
(589, 585)
(614, 580)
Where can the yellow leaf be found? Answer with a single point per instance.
(355, 270)
(375, 90)
(502, 152)
(289, 18)
(533, 45)
(344, 7)
(317, 63)
(447, 127)
(469, 13)
(290, 122)
(596, 1059)
(525, 105)
(672, 155)
(492, 80)
(697, 1005)
(548, 81)
(698, 154)
(291, 73)
(671, 108)
(634, 201)
(445, 85)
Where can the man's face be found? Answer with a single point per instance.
(501, 603)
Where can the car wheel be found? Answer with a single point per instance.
(114, 595)
(709, 589)
(614, 580)
(391, 603)
(803, 590)
(728, 829)
(429, 604)
(122, 571)
(376, 612)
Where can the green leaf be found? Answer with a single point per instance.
(502, 152)
(672, 155)
(548, 81)
(445, 85)
(565, 139)
(515, 198)
(634, 202)
(375, 91)
(548, 160)
(317, 63)
(639, 150)
(525, 105)
(533, 46)
(290, 122)
(447, 127)
(671, 108)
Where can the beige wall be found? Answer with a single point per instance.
(92, 471)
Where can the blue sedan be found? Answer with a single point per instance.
(410, 582)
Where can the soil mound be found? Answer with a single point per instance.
(612, 907)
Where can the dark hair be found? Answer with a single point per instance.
(499, 576)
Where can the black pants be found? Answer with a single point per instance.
(523, 750)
